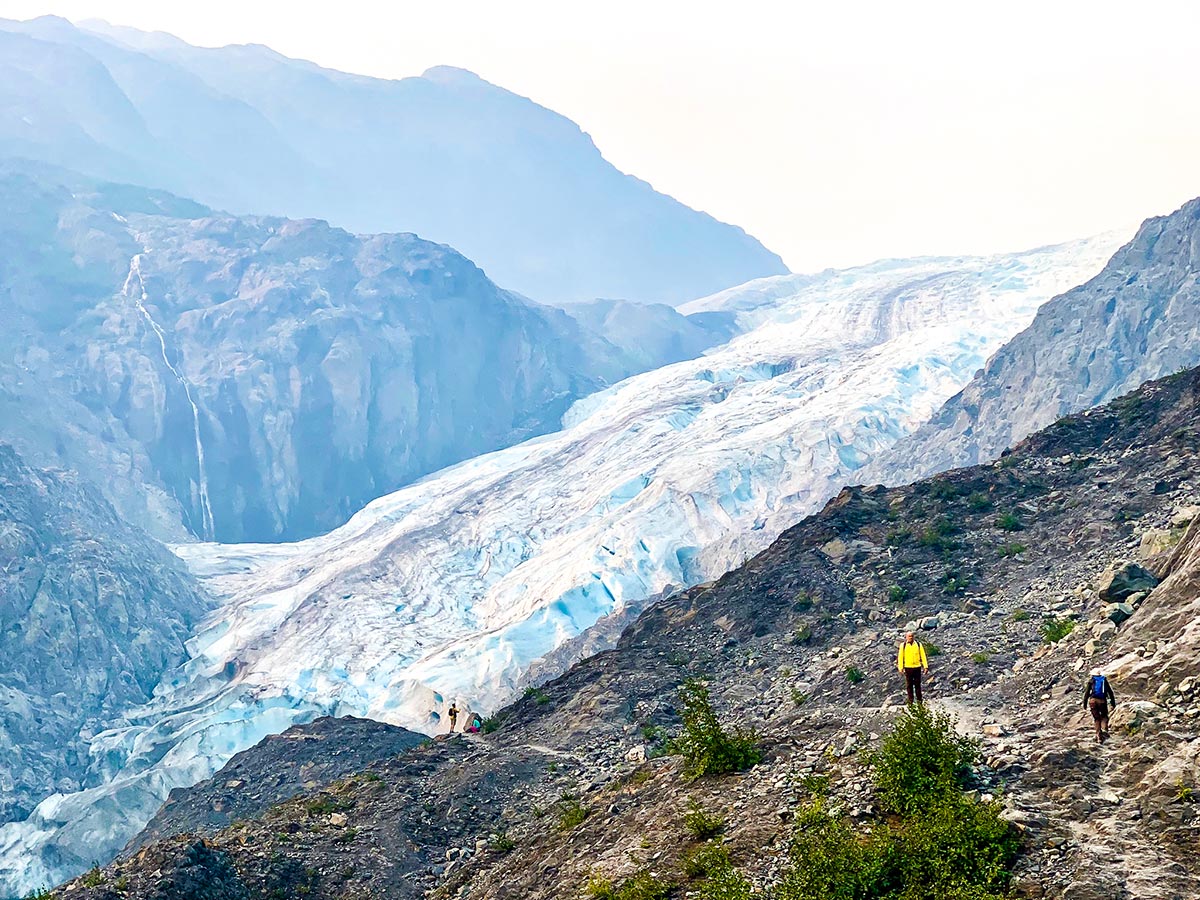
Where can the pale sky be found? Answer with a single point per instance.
(836, 133)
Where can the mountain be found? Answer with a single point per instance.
(572, 785)
(253, 378)
(456, 586)
(92, 613)
(1136, 320)
(517, 188)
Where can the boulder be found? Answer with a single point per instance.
(1118, 612)
(1103, 630)
(930, 622)
(1125, 580)
(1184, 516)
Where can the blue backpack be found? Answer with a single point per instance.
(1099, 687)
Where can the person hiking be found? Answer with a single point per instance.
(1097, 696)
(912, 661)
(452, 712)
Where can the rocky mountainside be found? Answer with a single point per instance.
(1079, 548)
(92, 612)
(256, 378)
(512, 565)
(245, 129)
(1136, 320)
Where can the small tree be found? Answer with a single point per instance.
(922, 760)
(707, 749)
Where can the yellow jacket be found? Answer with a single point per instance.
(911, 656)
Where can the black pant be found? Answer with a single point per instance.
(912, 681)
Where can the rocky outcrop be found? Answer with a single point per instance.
(92, 612)
(246, 129)
(572, 782)
(262, 379)
(1138, 319)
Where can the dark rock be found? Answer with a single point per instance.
(1124, 581)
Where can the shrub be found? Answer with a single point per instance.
(897, 536)
(1008, 522)
(501, 843)
(725, 884)
(981, 657)
(700, 824)
(491, 723)
(540, 697)
(1019, 615)
(979, 502)
(897, 594)
(954, 583)
(931, 649)
(42, 894)
(803, 600)
(829, 860)
(93, 878)
(922, 760)
(640, 886)
(957, 842)
(799, 697)
(1014, 549)
(803, 635)
(1054, 630)
(1184, 793)
(854, 674)
(570, 812)
(707, 748)
(705, 860)
(937, 535)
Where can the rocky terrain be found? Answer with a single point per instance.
(248, 130)
(1079, 548)
(258, 379)
(1138, 319)
(92, 612)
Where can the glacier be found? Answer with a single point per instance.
(452, 587)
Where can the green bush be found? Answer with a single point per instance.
(829, 861)
(897, 536)
(981, 657)
(570, 812)
(921, 761)
(640, 886)
(1008, 522)
(701, 824)
(491, 723)
(1019, 615)
(707, 748)
(803, 635)
(501, 843)
(897, 594)
(1013, 549)
(799, 697)
(931, 649)
(938, 535)
(979, 502)
(725, 884)
(803, 600)
(540, 697)
(940, 843)
(42, 894)
(705, 860)
(1054, 630)
(854, 674)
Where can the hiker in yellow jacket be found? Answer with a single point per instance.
(912, 661)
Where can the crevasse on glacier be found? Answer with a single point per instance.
(450, 588)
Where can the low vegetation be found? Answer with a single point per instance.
(706, 747)
(700, 823)
(1054, 630)
(640, 886)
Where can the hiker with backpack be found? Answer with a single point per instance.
(452, 712)
(912, 662)
(1098, 697)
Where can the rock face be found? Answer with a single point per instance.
(92, 612)
(565, 789)
(1138, 319)
(259, 379)
(246, 129)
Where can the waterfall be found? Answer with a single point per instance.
(138, 296)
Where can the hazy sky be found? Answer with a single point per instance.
(834, 132)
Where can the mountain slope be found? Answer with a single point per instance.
(565, 779)
(245, 129)
(92, 612)
(1137, 319)
(453, 587)
(256, 379)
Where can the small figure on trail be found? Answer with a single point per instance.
(1097, 695)
(476, 724)
(452, 712)
(912, 661)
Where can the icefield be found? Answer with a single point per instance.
(448, 589)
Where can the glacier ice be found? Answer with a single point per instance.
(450, 588)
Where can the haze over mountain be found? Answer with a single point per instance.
(456, 586)
(515, 187)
